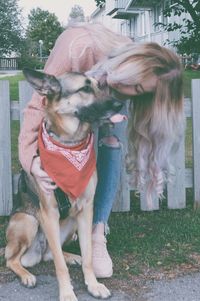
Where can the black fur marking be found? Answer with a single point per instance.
(99, 111)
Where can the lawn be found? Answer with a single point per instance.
(142, 241)
(13, 81)
(154, 240)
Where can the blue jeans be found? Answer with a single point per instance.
(109, 163)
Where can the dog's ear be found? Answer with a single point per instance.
(45, 84)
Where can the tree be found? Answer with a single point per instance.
(42, 31)
(11, 28)
(76, 14)
(189, 29)
(100, 3)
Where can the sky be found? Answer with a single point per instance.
(61, 8)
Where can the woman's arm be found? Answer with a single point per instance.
(34, 112)
(67, 55)
(27, 142)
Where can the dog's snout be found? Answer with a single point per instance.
(100, 111)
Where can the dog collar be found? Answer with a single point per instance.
(68, 143)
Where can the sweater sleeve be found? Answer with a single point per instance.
(73, 51)
(27, 141)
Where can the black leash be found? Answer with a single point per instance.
(63, 203)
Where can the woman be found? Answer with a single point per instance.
(148, 74)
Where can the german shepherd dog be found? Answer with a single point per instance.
(72, 103)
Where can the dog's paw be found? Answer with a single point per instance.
(68, 296)
(99, 290)
(28, 280)
(72, 258)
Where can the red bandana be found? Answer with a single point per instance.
(69, 167)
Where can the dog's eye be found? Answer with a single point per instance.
(86, 89)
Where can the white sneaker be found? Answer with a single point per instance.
(102, 263)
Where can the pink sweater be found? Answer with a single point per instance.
(74, 51)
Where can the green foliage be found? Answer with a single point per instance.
(11, 28)
(27, 61)
(77, 13)
(189, 29)
(100, 3)
(43, 26)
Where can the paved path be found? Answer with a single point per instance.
(47, 290)
(185, 288)
(9, 73)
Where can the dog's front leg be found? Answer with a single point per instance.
(85, 239)
(49, 217)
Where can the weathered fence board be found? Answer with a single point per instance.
(5, 151)
(196, 139)
(25, 93)
(176, 194)
(122, 201)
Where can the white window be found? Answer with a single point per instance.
(158, 15)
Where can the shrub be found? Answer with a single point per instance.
(30, 62)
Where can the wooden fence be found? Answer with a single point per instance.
(176, 189)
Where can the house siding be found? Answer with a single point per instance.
(139, 21)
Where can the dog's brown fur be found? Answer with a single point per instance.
(28, 229)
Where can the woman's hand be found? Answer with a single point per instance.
(43, 180)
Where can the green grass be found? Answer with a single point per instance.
(14, 80)
(141, 240)
(156, 240)
(14, 146)
(188, 143)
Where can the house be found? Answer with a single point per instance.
(137, 18)
(100, 16)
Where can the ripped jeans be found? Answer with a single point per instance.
(109, 163)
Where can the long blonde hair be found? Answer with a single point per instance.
(156, 121)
